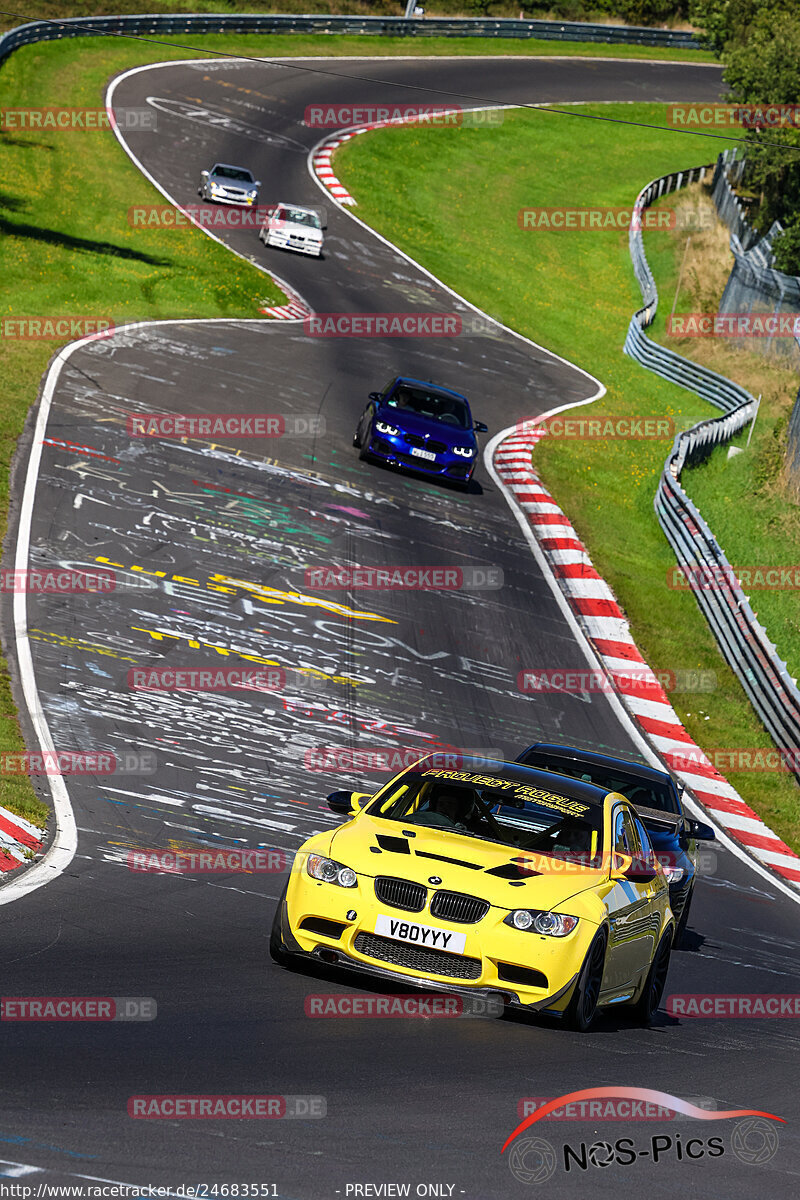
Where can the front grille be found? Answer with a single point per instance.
(401, 893)
(453, 906)
(525, 976)
(424, 443)
(331, 929)
(418, 958)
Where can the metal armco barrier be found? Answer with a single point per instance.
(562, 31)
(742, 639)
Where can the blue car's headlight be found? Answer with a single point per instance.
(548, 923)
(464, 451)
(329, 871)
(384, 428)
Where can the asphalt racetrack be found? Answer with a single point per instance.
(210, 543)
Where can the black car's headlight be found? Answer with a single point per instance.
(464, 451)
(532, 920)
(382, 427)
(327, 870)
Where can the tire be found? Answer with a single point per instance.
(356, 440)
(646, 1007)
(277, 950)
(580, 1011)
(680, 931)
(364, 454)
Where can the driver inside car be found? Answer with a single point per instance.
(449, 810)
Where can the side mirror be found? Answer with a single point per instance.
(257, 183)
(479, 427)
(204, 174)
(341, 802)
(699, 831)
(375, 396)
(346, 804)
(638, 870)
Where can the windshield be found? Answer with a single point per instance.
(449, 410)
(496, 809)
(236, 173)
(299, 216)
(642, 792)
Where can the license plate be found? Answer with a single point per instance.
(420, 935)
(427, 454)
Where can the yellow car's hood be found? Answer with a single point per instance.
(462, 863)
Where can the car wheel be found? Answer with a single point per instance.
(582, 1007)
(682, 923)
(646, 1006)
(277, 950)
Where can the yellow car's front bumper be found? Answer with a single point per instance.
(339, 925)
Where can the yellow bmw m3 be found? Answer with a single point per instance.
(491, 878)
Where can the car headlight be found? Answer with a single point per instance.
(214, 187)
(674, 874)
(547, 923)
(329, 871)
(390, 429)
(464, 451)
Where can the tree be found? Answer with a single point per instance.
(760, 43)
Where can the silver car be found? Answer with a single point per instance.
(226, 184)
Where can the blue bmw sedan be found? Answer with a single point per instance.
(420, 426)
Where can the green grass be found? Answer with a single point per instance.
(574, 292)
(157, 48)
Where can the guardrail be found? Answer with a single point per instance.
(563, 31)
(741, 637)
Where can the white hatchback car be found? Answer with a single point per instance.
(292, 227)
